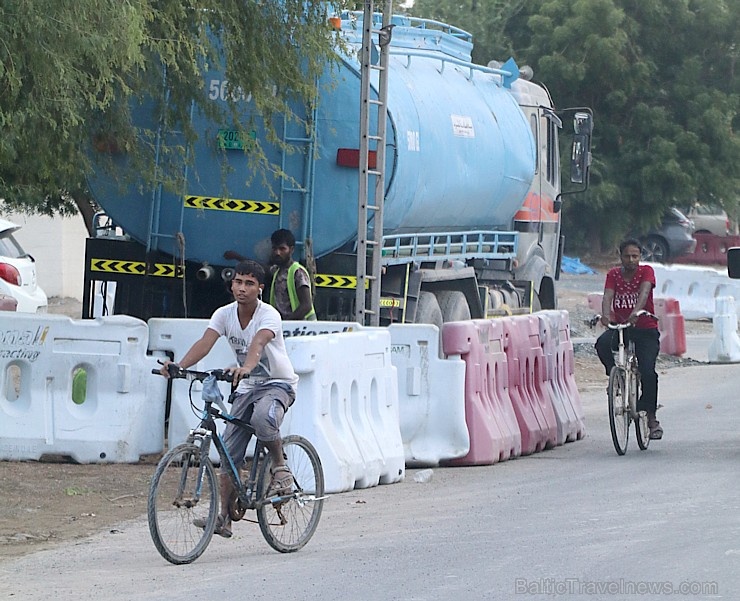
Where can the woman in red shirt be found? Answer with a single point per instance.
(628, 290)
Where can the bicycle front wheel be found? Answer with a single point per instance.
(289, 523)
(183, 504)
(642, 430)
(619, 411)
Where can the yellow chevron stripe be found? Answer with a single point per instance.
(113, 266)
(325, 280)
(168, 270)
(232, 204)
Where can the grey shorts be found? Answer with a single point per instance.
(267, 404)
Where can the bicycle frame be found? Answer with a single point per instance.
(207, 432)
(627, 361)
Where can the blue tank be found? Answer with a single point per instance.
(460, 155)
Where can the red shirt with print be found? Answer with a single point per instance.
(626, 293)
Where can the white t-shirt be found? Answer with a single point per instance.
(274, 363)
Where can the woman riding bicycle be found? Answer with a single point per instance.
(266, 379)
(629, 289)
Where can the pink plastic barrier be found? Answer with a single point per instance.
(564, 366)
(489, 442)
(567, 421)
(670, 322)
(671, 325)
(531, 402)
(498, 379)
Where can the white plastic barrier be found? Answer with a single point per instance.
(293, 329)
(725, 347)
(695, 288)
(347, 406)
(46, 410)
(431, 395)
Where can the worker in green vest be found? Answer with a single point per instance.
(290, 292)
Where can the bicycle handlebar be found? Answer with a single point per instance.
(177, 372)
(620, 326)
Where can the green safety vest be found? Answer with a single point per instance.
(292, 294)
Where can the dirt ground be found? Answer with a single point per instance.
(48, 503)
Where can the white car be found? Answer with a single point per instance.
(18, 272)
(711, 219)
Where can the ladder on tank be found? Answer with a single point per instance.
(369, 251)
(164, 136)
(301, 184)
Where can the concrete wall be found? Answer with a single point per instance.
(58, 245)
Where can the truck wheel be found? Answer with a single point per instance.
(428, 311)
(536, 303)
(453, 305)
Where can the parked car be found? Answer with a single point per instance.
(18, 272)
(711, 219)
(674, 237)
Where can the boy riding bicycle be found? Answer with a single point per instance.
(627, 290)
(265, 379)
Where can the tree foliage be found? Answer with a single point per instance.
(661, 78)
(69, 72)
(485, 19)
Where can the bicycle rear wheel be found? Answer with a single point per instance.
(183, 504)
(289, 523)
(619, 413)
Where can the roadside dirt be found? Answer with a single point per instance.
(43, 504)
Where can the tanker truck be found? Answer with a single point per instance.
(471, 172)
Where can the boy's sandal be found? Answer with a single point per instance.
(281, 482)
(219, 528)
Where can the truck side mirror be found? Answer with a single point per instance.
(733, 262)
(580, 158)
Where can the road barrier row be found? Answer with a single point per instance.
(710, 250)
(370, 399)
(695, 288)
(520, 390)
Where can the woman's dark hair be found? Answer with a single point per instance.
(629, 242)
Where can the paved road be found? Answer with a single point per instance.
(577, 520)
